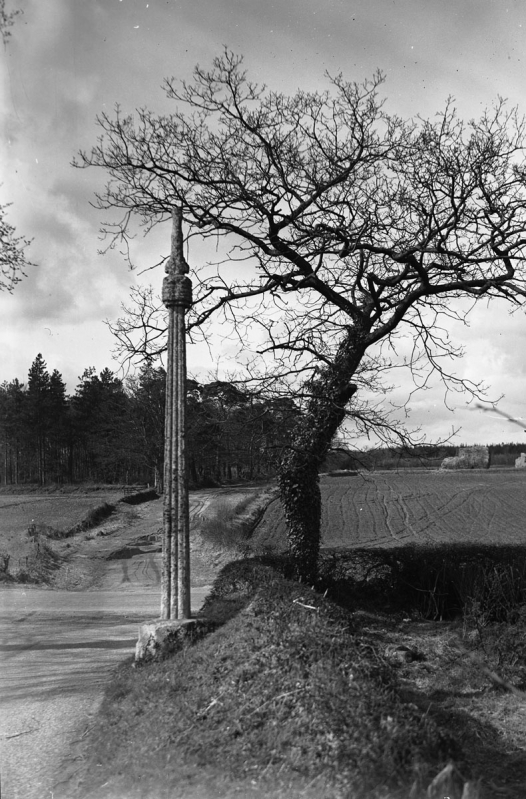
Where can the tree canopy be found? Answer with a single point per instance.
(346, 226)
(363, 216)
(112, 431)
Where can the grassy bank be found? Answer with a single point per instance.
(347, 692)
(229, 521)
(289, 697)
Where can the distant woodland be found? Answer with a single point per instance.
(111, 431)
(431, 456)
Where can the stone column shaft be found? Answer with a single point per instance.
(177, 296)
(169, 498)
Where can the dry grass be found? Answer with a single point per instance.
(92, 518)
(229, 521)
(40, 564)
(286, 699)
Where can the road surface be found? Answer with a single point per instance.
(58, 648)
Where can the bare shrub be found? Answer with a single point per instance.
(438, 582)
(39, 565)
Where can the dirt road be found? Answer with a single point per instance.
(58, 647)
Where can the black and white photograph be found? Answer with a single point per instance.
(262, 399)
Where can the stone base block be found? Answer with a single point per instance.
(161, 637)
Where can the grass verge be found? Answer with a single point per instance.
(230, 524)
(287, 698)
(138, 497)
(92, 518)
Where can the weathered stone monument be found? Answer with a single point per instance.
(520, 463)
(159, 637)
(468, 458)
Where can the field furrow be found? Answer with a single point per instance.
(383, 509)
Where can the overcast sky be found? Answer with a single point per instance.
(71, 59)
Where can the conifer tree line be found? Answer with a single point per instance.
(111, 430)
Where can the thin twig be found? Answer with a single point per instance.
(24, 732)
(303, 605)
(500, 413)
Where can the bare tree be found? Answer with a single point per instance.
(12, 247)
(13, 260)
(338, 227)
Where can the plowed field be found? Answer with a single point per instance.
(17, 512)
(380, 509)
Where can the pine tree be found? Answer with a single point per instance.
(12, 399)
(147, 394)
(38, 416)
(57, 409)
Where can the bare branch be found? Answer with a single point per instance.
(338, 230)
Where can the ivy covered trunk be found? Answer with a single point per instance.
(299, 484)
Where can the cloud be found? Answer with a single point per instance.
(71, 278)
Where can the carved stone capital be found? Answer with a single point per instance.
(177, 291)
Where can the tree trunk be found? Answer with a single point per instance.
(330, 391)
